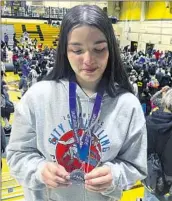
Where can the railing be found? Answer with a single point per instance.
(38, 12)
(33, 12)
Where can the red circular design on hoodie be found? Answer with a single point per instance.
(67, 156)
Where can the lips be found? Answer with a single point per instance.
(89, 70)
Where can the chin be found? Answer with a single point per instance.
(92, 80)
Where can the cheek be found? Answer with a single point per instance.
(104, 58)
(74, 60)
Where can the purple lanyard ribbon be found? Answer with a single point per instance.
(83, 148)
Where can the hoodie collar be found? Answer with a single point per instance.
(83, 95)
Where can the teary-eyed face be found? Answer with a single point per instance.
(88, 53)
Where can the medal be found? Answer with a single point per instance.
(79, 150)
(77, 177)
(83, 145)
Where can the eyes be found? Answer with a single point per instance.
(96, 50)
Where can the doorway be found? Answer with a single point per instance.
(134, 45)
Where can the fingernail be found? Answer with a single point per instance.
(67, 177)
(86, 182)
(86, 176)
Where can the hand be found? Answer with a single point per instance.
(164, 89)
(54, 175)
(99, 179)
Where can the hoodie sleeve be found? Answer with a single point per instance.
(130, 165)
(23, 157)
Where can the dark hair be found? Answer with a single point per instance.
(90, 15)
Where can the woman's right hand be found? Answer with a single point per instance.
(55, 175)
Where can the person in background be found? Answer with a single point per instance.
(23, 84)
(6, 39)
(3, 68)
(5, 114)
(33, 75)
(9, 55)
(166, 79)
(25, 68)
(133, 82)
(35, 41)
(159, 124)
(15, 60)
(157, 97)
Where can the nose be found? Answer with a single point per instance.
(88, 58)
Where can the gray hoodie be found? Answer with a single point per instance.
(42, 124)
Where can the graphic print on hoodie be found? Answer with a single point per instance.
(62, 137)
(67, 155)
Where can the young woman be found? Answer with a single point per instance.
(82, 125)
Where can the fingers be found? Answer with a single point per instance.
(98, 172)
(54, 175)
(51, 184)
(62, 181)
(57, 169)
(55, 179)
(99, 180)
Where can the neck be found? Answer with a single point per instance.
(88, 87)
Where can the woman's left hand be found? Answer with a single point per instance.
(99, 179)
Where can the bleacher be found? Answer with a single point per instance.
(10, 190)
(44, 33)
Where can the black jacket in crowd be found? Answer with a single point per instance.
(159, 127)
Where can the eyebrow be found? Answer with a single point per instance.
(97, 42)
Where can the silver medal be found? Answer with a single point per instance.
(77, 177)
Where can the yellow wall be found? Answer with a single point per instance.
(2, 3)
(25, 21)
(158, 10)
(130, 10)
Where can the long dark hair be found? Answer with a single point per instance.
(90, 15)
